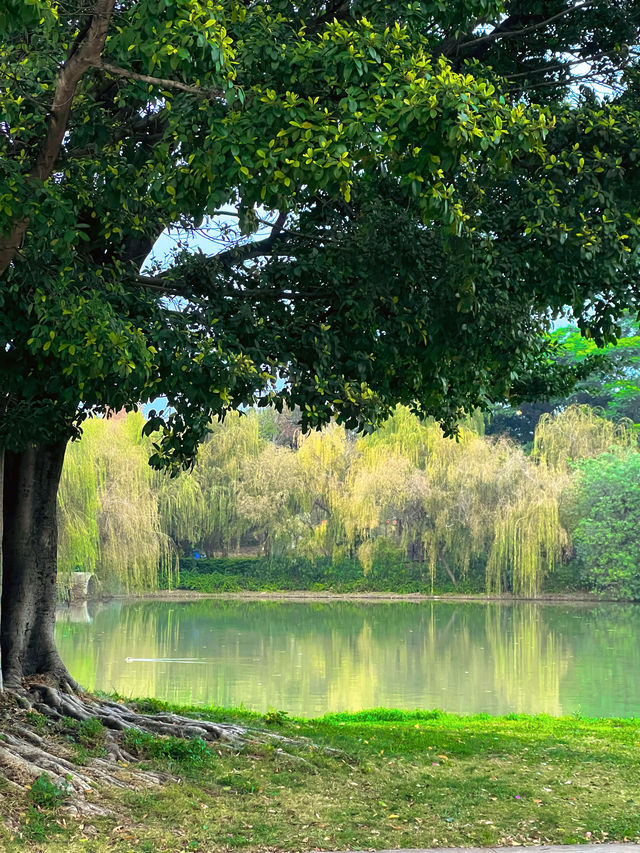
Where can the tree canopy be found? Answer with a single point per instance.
(607, 378)
(414, 186)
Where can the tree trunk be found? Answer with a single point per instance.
(1, 526)
(29, 551)
(447, 569)
(416, 550)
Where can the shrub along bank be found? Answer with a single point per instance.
(260, 574)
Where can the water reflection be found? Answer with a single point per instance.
(310, 658)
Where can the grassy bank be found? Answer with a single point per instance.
(378, 779)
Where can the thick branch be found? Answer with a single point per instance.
(84, 57)
(274, 244)
(164, 284)
(281, 241)
(161, 285)
(511, 27)
(278, 225)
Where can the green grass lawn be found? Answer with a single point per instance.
(378, 779)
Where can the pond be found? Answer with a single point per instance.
(309, 658)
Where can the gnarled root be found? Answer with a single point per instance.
(26, 754)
(56, 704)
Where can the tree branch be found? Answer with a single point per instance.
(249, 251)
(160, 285)
(167, 289)
(164, 82)
(85, 56)
(559, 65)
(278, 225)
(477, 47)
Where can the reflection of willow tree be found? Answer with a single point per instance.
(310, 658)
(77, 640)
(609, 637)
(99, 651)
(108, 509)
(528, 657)
(301, 657)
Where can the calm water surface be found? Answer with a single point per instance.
(311, 658)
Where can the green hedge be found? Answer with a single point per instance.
(234, 574)
(259, 574)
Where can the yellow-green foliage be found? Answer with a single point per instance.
(528, 538)
(579, 432)
(270, 498)
(450, 501)
(108, 509)
(403, 492)
(200, 507)
(324, 461)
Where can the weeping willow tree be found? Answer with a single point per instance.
(579, 432)
(496, 505)
(471, 480)
(392, 494)
(403, 493)
(396, 492)
(109, 522)
(200, 508)
(531, 536)
(271, 500)
(384, 507)
(324, 460)
(449, 502)
(529, 540)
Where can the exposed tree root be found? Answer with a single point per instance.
(26, 754)
(117, 717)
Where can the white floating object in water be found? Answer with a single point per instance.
(167, 660)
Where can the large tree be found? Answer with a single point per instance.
(415, 188)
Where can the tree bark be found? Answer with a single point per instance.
(1, 539)
(448, 569)
(29, 551)
(83, 56)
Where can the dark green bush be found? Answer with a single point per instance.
(259, 574)
(607, 543)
